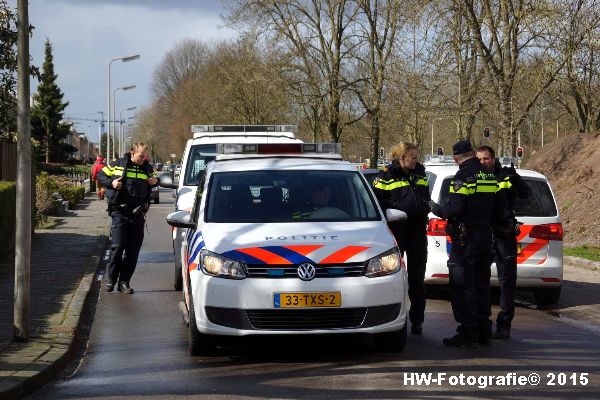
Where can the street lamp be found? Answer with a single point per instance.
(123, 88)
(123, 59)
(121, 141)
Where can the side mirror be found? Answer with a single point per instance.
(392, 215)
(181, 219)
(166, 180)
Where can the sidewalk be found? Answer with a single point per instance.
(63, 266)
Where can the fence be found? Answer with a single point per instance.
(8, 161)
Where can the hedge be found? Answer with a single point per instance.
(8, 193)
(74, 194)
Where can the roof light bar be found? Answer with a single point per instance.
(244, 128)
(279, 148)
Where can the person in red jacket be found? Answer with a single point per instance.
(98, 165)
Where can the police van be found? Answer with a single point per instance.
(540, 242)
(199, 151)
(289, 239)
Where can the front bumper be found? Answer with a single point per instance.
(246, 307)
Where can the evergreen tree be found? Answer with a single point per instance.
(8, 67)
(47, 113)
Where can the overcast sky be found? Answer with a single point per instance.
(87, 34)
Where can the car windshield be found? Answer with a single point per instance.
(289, 196)
(200, 155)
(540, 203)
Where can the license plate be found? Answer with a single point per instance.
(307, 299)
(519, 248)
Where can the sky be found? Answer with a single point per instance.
(87, 34)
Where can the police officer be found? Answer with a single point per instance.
(468, 209)
(404, 185)
(128, 182)
(505, 229)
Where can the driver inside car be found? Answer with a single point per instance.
(320, 196)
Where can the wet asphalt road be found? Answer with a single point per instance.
(138, 348)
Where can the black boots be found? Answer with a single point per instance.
(461, 340)
(502, 333)
(124, 288)
(110, 285)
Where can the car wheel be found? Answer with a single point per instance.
(156, 200)
(391, 342)
(178, 279)
(547, 296)
(199, 344)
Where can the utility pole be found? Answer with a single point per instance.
(23, 205)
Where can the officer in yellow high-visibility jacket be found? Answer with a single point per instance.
(128, 181)
(468, 208)
(403, 185)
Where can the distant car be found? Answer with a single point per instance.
(154, 195)
(370, 174)
(169, 167)
(158, 166)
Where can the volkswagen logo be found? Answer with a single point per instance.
(307, 272)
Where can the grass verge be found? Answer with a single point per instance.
(587, 252)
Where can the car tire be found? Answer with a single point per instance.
(177, 277)
(547, 296)
(391, 342)
(199, 344)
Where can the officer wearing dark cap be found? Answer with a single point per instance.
(468, 209)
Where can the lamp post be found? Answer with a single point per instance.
(123, 59)
(121, 141)
(114, 122)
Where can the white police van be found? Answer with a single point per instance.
(289, 239)
(540, 243)
(199, 151)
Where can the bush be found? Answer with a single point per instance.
(74, 194)
(8, 193)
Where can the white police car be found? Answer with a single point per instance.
(289, 239)
(199, 151)
(540, 246)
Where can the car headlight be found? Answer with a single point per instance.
(386, 263)
(216, 265)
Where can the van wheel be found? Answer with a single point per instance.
(199, 344)
(547, 296)
(391, 342)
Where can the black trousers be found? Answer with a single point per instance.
(469, 271)
(506, 263)
(412, 240)
(127, 237)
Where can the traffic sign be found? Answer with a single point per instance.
(519, 152)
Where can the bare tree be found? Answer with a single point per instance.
(378, 24)
(184, 61)
(318, 35)
(507, 32)
(580, 86)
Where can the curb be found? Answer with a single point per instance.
(49, 365)
(581, 263)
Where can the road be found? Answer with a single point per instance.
(138, 348)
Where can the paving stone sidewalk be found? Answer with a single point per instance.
(63, 267)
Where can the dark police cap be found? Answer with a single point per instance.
(462, 147)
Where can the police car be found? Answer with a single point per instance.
(540, 243)
(199, 151)
(289, 239)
